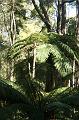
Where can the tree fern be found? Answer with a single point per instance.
(62, 52)
(62, 57)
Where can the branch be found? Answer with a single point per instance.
(68, 1)
(38, 10)
(43, 10)
(43, 18)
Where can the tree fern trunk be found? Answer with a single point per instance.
(50, 75)
(12, 71)
(49, 82)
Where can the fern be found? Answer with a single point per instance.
(62, 52)
(61, 101)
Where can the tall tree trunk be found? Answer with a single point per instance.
(58, 17)
(34, 60)
(77, 21)
(12, 24)
(29, 66)
(63, 21)
(0, 64)
(73, 74)
(69, 83)
(44, 12)
(12, 35)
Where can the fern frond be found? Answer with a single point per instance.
(14, 112)
(10, 93)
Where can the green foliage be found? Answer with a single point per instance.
(26, 99)
(32, 92)
(9, 93)
(59, 46)
(63, 109)
(60, 101)
(30, 87)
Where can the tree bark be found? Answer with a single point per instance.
(29, 66)
(44, 16)
(12, 35)
(59, 17)
(12, 27)
(34, 60)
(77, 21)
(73, 74)
(63, 21)
(44, 12)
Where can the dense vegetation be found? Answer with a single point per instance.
(39, 60)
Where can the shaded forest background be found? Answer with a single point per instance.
(39, 60)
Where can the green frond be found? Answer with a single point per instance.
(36, 37)
(61, 62)
(62, 102)
(65, 95)
(14, 112)
(39, 37)
(43, 52)
(56, 93)
(72, 100)
(10, 93)
(70, 40)
(59, 46)
(60, 110)
(67, 50)
(59, 106)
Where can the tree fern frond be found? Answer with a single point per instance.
(14, 112)
(10, 93)
(62, 52)
(68, 51)
(60, 110)
(71, 100)
(59, 105)
(61, 62)
(43, 52)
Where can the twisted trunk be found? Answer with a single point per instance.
(44, 15)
